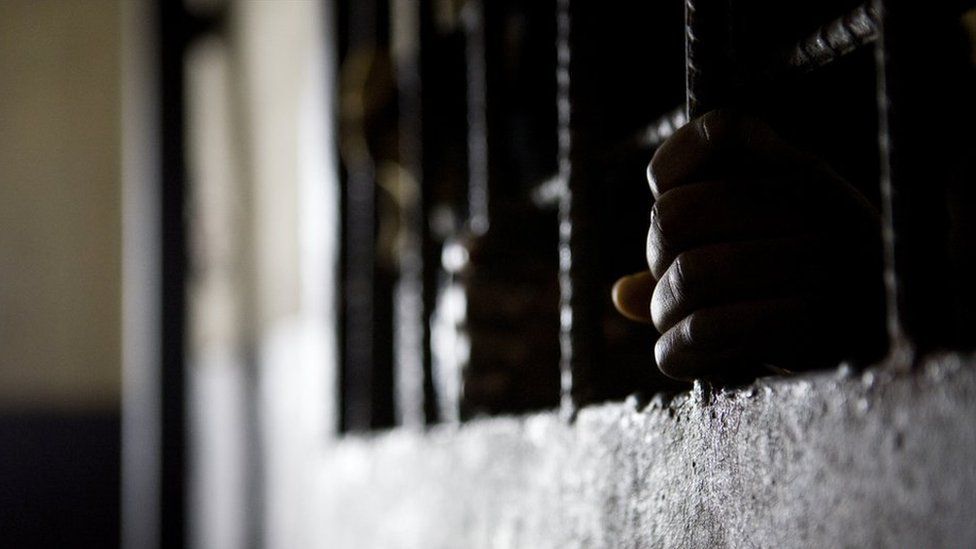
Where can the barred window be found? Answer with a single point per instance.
(494, 157)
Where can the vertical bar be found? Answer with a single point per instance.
(172, 32)
(920, 67)
(367, 398)
(708, 55)
(141, 283)
(411, 358)
(478, 197)
(359, 214)
(506, 355)
(437, 121)
(358, 359)
(457, 385)
(578, 272)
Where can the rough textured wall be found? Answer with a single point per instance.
(829, 460)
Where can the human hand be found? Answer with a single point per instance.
(760, 257)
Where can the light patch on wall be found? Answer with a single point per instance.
(218, 375)
(60, 213)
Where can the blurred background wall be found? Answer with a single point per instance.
(60, 294)
(262, 199)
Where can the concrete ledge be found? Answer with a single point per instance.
(827, 460)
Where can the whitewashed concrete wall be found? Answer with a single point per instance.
(835, 459)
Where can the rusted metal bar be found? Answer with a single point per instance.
(578, 272)
(709, 65)
(822, 47)
(834, 40)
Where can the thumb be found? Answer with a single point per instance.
(632, 296)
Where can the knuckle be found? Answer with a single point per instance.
(656, 215)
(691, 326)
(694, 327)
(657, 223)
(714, 126)
(728, 128)
(664, 357)
(657, 240)
(670, 300)
(671, 355)
(652, 176)
(663, 216)
(678, 278)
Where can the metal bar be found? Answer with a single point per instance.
(478, 193)
(501, 368)
(709, 65)
(173, 39)
(359, 316)
(826, 45)
(822, 47)
(367, 397)
(566, 280)
(920, 66)
(454, 366)
(834, 40)
(433, 20)
(410, 327)
(578, 270)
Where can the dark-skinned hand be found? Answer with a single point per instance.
(761, 258)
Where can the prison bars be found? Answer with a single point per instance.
(824, 46)
(709, 79)
(918, 76)
(919, 310)
(569, 362)
(411, 327)
(366, 399)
